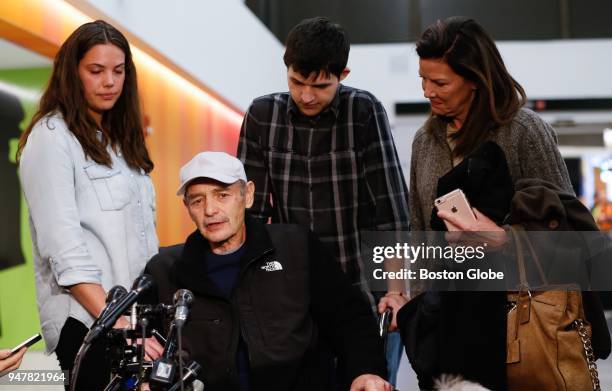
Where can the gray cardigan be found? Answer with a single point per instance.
(529, 143)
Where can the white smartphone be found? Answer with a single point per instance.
(456, 203)
(27, 343)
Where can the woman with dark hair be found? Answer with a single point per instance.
(473, 100)
(85, 174)
(476, 111)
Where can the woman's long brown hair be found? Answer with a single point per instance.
(471, 53)
(122, 124)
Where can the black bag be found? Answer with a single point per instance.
(420, 318)
(463, 333)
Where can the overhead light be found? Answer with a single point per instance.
(23, 93)
(606, 176)
(564, 122)
(607, 137)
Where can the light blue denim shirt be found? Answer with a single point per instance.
(90, 223)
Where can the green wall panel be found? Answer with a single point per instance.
(18, 311)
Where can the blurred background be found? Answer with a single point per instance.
(201, 62)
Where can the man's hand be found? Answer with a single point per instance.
(8, 364)
(370, 383)
(122, 323)
(153, 349)
(395, 301)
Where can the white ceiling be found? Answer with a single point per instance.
(14, 56)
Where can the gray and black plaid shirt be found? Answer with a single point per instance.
(337, 173)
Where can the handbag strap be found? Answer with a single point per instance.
(534, 256)
(522, 302)
(520, 237)
(588, 351)
(520, 258)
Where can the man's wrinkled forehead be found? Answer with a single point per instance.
(217, 185)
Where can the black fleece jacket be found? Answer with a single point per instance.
(292, 305)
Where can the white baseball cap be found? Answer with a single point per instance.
(219, 166)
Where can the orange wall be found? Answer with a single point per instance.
(183, 117)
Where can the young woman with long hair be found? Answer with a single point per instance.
(85, 171)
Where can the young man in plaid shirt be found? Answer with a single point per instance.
(322, 155)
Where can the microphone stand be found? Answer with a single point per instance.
(114, 384)
(112, 297)
(77, 364)
(143, 324)
(180, 355)
(192, 371)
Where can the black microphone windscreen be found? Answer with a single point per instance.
(143, 282)
(115, 293)
(183, 297)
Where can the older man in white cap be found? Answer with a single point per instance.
(271, 306)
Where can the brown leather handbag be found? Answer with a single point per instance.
(548, 340)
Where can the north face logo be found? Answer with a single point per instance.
(272, 266)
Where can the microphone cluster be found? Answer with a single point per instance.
(117, 304)
(129, 368)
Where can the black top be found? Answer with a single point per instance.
(223, 269)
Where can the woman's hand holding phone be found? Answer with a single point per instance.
(481, 230)
(468, 225)
(10, 361)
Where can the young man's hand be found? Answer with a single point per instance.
(369, 382)
(395, 301)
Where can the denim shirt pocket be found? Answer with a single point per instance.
(111, 188)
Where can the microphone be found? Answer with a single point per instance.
(164, 367)
(112, 297)
(182, 301)
(141, 284)
(191, 372)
